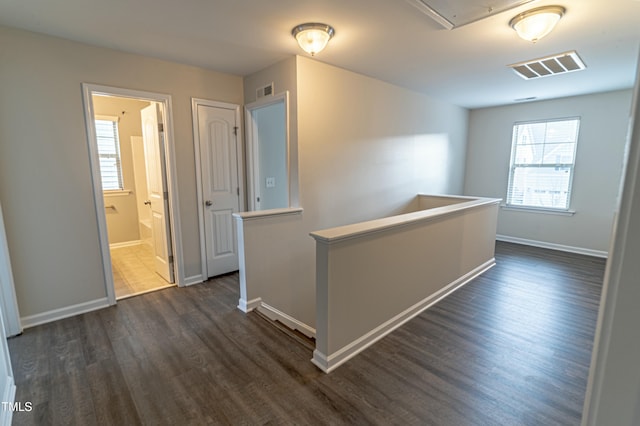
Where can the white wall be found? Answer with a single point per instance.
(365, 149)
(45, 180)
(599, 159)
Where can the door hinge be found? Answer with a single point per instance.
(235, 130)
(165, 194)
(170, 258)
(161, 127)
(238, 190)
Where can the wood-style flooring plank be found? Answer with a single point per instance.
(512, 347)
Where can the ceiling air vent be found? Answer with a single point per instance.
(549, 65)
(455, 13)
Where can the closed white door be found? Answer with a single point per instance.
(217, 132)
(153, 136)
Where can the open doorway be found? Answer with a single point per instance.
(129, 142)
(267, 124)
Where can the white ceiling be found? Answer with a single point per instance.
(387, 39)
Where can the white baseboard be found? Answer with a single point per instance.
(125, 244)
(553, 246)
(66, 312)
(194, 279)
(320, 360)
(248, 306)
(274, 314)
(9, 396)
(333, 361)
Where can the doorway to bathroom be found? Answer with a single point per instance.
(129, 142)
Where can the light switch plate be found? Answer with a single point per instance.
(271, 182)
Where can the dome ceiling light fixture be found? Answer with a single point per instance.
(534, 24)
(313, 37)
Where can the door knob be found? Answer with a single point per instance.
(208, 203)
(147, 203)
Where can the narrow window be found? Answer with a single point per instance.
(109, 153)
(542, 161)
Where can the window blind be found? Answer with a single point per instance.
(109, 154)
(542, 162)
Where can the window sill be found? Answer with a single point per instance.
(116, 193)
(538, 210)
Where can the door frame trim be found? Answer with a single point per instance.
(195, 103)
(8, 302)
(88, 90)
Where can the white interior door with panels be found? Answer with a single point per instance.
(216, 129)
(158, 200)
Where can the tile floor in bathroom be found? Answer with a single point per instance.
(133, 271)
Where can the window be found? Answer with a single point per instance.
(542, 160)
(109, 153)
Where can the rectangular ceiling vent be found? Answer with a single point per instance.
(455, 13)
(550, 65)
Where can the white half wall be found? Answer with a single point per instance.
(372, 277)
(599, 160)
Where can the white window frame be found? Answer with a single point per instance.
(513, 167)
(118, 154)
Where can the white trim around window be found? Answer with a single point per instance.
(542, 164)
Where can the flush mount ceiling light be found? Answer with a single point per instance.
(536, 23)
(313, 37)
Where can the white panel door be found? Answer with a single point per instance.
(217, 129)
(153, 136)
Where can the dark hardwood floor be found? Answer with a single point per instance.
(511, 347)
